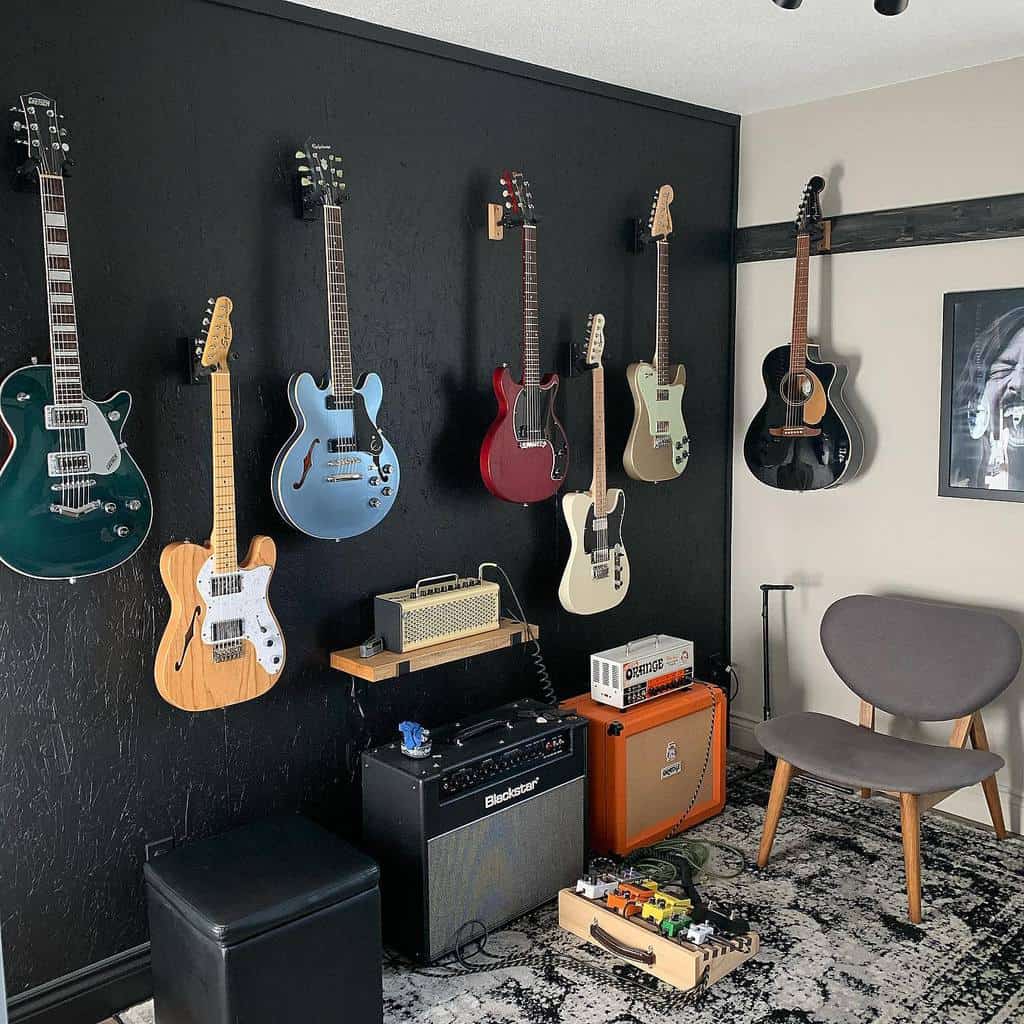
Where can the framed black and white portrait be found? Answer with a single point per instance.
(981, 450)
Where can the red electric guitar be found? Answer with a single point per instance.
(525, 455)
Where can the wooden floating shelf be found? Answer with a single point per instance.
(388, 665)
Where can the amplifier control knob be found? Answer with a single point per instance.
(374, 503)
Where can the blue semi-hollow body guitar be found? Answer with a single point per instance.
(337, 475)
(321, 484)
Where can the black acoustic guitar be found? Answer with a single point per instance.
(804, 438)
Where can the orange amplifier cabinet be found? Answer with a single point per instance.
(646, 763)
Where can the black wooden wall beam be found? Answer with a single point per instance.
(969, 220)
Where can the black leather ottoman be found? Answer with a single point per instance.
(274, 923)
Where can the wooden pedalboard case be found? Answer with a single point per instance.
(645, 765)
(677, 962)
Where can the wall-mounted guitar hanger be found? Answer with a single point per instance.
(967, 220)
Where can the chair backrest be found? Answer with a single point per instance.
(929, 662)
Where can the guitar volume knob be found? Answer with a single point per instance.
(373, 481)
(386, 491)
(374, 503)
(122, 531)
(110, 508)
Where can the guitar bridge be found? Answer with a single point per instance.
(74, 513)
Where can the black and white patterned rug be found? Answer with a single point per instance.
(836, 947)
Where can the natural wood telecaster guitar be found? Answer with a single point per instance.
(222, 644)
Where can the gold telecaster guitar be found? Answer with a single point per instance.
(658, 447)
(222, 644)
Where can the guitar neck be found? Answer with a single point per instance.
(225, 550)
(798, 345)
(60, 293)
(531, 327)
(661, 363)
(599, 484)
(337, 305)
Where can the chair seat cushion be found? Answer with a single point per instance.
(859, 757)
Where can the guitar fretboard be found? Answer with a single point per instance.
(599, 484)
(661, 363)
(225, 550)
(798, 347)
(337, 306)
(531, 327)
(60, 293)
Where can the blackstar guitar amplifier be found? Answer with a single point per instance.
(641, 670)
(655, 769)
(437, 609)
(489, 826)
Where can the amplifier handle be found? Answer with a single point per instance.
(656, 637)
(434, 579)
(613, 945)
(472, 731)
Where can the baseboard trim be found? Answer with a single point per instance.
(89, 994)
(966, 803)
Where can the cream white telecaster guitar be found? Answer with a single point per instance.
(596, 577)
(658, 447)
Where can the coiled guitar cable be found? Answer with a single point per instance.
(533, 650)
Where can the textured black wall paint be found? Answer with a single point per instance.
(184, 116)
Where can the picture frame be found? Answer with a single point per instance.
(981, 430)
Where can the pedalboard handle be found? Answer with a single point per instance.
(613, 945)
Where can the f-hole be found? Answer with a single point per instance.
(307, 464)
(189, 635)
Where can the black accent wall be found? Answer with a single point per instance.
(184, 117)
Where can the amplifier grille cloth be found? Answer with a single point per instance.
(453, 616)
(505, 864)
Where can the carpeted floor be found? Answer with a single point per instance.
(830, 909)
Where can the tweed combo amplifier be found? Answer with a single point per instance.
(437, 609)
(489, 826)
(656, 769)
(641, 670)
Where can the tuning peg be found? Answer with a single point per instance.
(343, 186)
(299, 155)
(304, 168)
(305, 182)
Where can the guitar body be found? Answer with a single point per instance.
(658, 447)
(335, 494)
(529, 470)
(582, 591)
(36, 541)
(186, 671)
(827, 446)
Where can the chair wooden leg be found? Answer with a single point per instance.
(865, 794)
(979, 740)
(780, 784)
(910, 820)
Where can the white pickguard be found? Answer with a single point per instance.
(250, 605)
(668, 411)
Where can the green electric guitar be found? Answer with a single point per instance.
(72, 500)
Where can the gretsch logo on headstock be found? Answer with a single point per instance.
(37, 101)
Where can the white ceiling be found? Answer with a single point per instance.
(737, 55)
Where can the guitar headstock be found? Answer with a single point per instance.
(320, 174)
(517, 200)
(659, 224)
(595, 339)
(809, 216)
(216, 338)
(39, 127)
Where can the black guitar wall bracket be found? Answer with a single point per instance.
(639, 237)
(192, 360)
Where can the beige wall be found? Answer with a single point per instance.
(951, 137)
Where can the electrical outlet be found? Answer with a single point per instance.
(159, 847)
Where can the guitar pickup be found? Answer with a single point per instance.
(338, 445)
(65, 417)
(68, 463)
(600, 572)
(662, 442)
(231, 629)
(661, 395)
